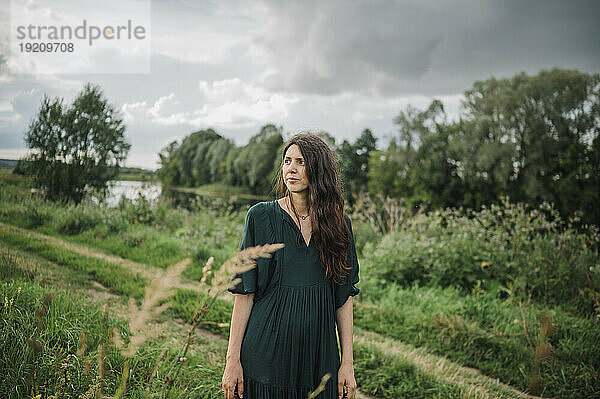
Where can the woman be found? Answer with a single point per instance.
(282, 336)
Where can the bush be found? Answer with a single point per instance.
(364, 233)
(506, 249)
(136, 211)
(36, 216)
(77, 219)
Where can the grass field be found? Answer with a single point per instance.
(68, 272)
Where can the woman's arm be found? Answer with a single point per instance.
(233, 374)
(345, 326)
(242, 306)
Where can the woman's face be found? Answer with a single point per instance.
(294, 170)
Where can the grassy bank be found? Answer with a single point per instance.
(513, 294)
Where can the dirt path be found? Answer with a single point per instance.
(472, 383)
(142, 269)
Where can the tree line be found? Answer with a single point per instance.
(533, 138)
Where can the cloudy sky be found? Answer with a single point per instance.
(340, 66)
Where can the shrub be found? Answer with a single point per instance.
(77, 219)
(506, 249)
(136, 211)
(36, 216)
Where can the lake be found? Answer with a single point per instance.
(131, 189)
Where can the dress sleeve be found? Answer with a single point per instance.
(248, 283)
(343, 292)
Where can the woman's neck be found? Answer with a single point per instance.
(300, 202)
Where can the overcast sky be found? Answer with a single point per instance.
(340, 66)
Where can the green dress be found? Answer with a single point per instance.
(290, 339)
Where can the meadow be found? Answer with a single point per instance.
(499, 303)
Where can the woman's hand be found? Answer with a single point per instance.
(346, 377)
(232, 376)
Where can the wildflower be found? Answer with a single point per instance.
(18, 292)
(38, 396)
(5, 301)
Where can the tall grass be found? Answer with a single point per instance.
(507, 250)
(487, 333)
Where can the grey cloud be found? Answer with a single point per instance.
(402, 47)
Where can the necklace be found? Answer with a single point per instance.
(302, 217)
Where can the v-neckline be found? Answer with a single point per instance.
(295, 225)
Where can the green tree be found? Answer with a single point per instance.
(168, 173)
(256, 159)
(532, 138)
(390, 171)
(435, 176)
(354, 163)
(414, 125)
(216, 159)
(193, 158)
(76, 148)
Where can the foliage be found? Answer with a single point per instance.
(354, 163)
(532, 138)
(77, 219)
(77, 148)
(254, 162)
(205, 157)
(506, 249)
(137, 211)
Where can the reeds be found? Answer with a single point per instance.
(385, 214)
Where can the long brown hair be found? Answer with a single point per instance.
(330, 233)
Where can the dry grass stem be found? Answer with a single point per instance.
(101, 373)
(159, 289)
(244, 260)
(206, 270)
(321, 386)
(82, 344)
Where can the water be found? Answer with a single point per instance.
(131, 189)
(187, 200)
